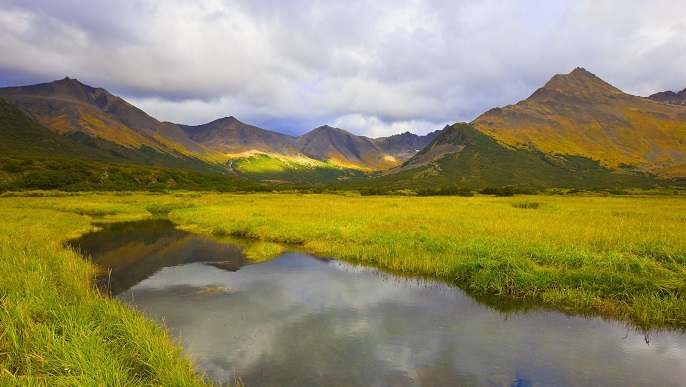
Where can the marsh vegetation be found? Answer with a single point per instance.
(622, 258)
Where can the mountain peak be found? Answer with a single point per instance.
(68, 81)
(329, 130)
(71, 87)
(66, 88)
(581, 72)
(580, 83)
(227, 120)
(579, 113)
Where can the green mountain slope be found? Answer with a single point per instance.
(110, 125)
(22, 136)
(462, 156)
(267, 168)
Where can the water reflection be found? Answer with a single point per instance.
(298, 320)
(129, 252)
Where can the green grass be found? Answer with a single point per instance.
(56, 328)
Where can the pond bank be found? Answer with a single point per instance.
(618, 257)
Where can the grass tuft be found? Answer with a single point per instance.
(263, 251)
(526, 205)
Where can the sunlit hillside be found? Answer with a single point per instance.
(580, 114)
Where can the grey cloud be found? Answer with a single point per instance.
(385, 64)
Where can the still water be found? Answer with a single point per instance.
(300, 320)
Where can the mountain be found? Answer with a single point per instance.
(261, 155)
(343, 148)
(232, 137)
(325, 154)
(580, 114)
(462, 156)
(106, 122)
(575, 131)
(670, 97)
(405, 145)
(33, 157)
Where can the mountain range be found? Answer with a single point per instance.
(94, 116)
(576, 130)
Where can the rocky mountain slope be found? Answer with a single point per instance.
(233, 138)
(670, 97)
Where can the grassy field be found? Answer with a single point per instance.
(618, 257)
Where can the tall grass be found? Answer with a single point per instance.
(622, 257)
(56, 328)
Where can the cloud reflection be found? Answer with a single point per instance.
(297, 320)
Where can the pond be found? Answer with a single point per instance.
(302, 320)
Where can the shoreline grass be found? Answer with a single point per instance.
(57, 329)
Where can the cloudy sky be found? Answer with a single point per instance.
(372, 67)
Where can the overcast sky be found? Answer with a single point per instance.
(374, 68)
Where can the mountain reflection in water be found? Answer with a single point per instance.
(129, 252)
